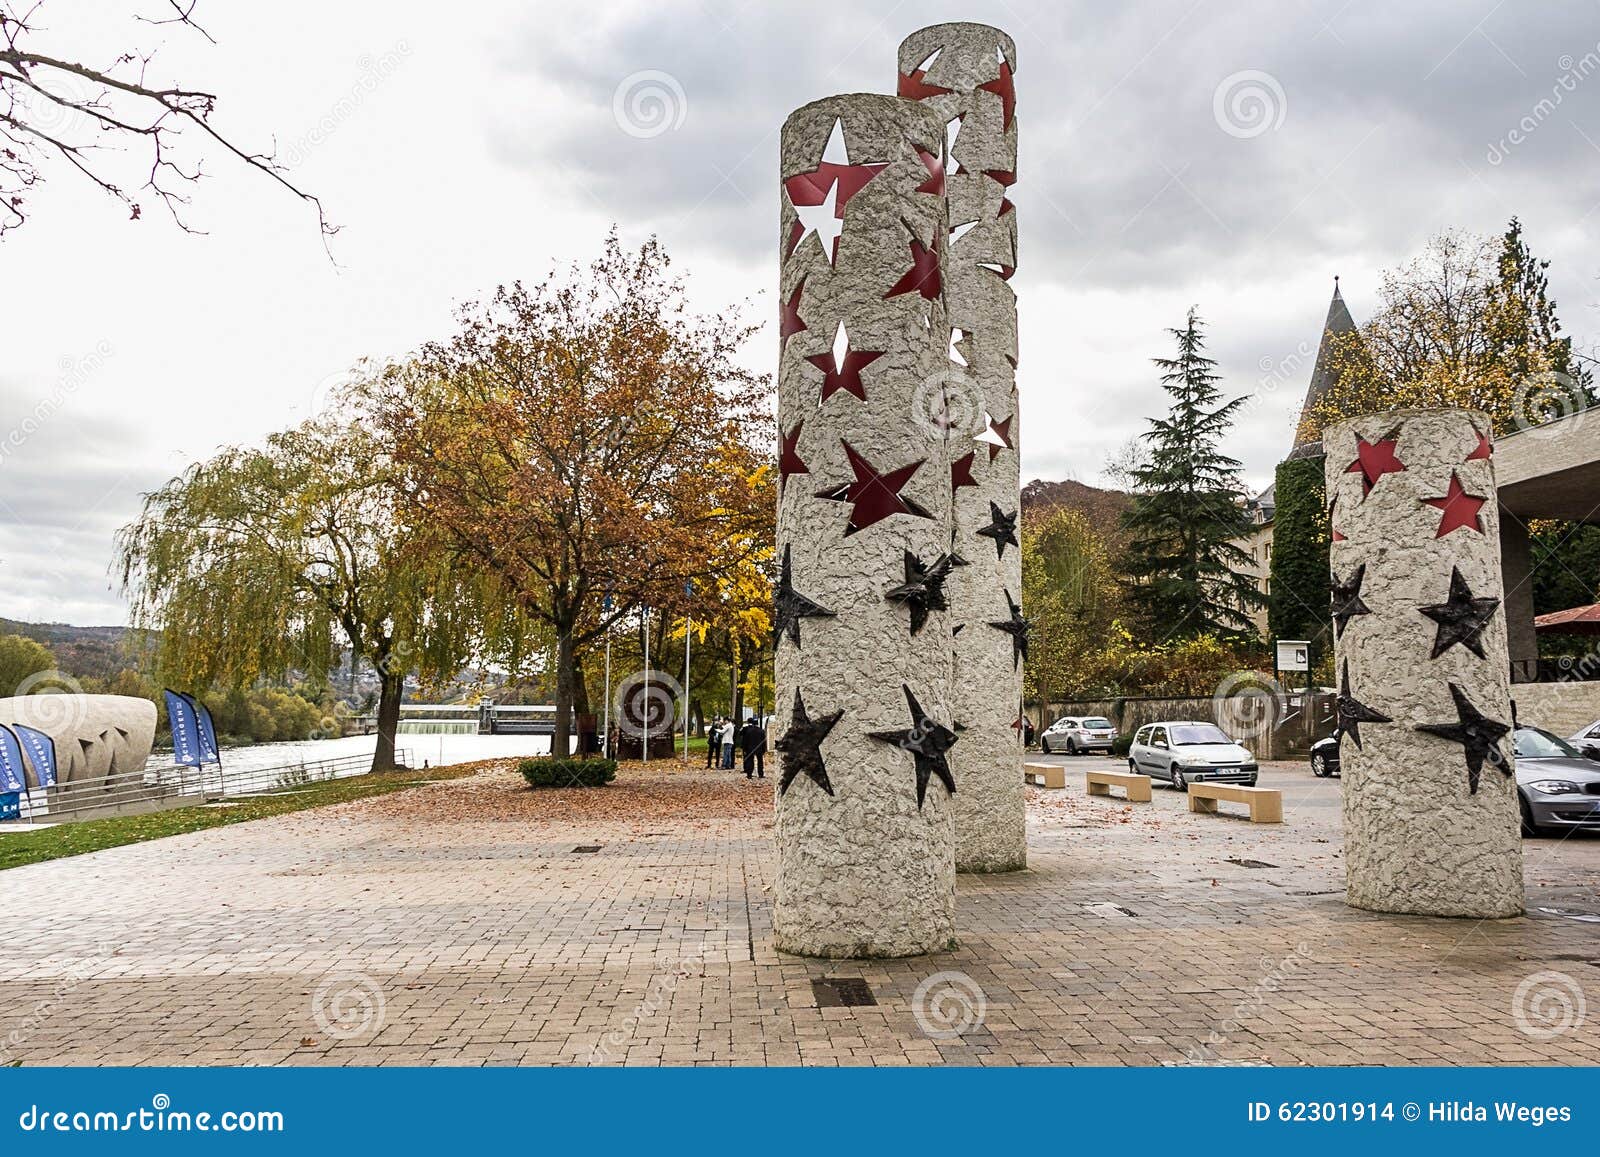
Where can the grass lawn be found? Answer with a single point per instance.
(74, 839)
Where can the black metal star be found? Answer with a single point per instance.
(802, 746)
(789, 606)
(1017, 627)
(927, 741)
(923, 590)
(1478, 735)
(1352, 712)
(1461, 618)
(1347, 603)
(1002, 528)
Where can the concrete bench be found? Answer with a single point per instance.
(1265, 803)
(1101, 783)
(1044, 774)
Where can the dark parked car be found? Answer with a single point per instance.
(1558, 788)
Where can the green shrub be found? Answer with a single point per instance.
(549, 771)
(1122, 744)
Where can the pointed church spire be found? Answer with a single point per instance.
(1338, 323)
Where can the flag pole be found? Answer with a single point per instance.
(688, 629)
(605, 739)
(646, 704)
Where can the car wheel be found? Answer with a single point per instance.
(1530, 830)
(1133, 768)
(1319, 765)
(1178, 782)
(1044, 744)
(1072, 747)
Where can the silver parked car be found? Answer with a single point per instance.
(1185, 752)
(1558, 788)
(1075, 733)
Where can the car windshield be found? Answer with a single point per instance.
(1532, 743)
(1097, 724)
(1189, 734)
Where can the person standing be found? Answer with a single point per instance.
(714, 742)
(753, 742)
(729, 733)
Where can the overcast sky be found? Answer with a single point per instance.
(1235, 156)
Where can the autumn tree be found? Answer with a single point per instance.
(132, 133)
(1070, 589)
(590, 445)
(1185, 570)
(1467, 323)
(261, 562)
(21, 658)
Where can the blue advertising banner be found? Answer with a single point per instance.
(41, 752)
(208, 731)
(13, 772)
(10, 805)
(1236, 1111)
(185, 731)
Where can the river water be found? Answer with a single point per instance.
(422, 750)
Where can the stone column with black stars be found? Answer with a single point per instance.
(1431, 822)
(963, 72)
(866, 860)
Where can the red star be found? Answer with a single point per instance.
(1460, 508)
(1005, 206)
(913, 86)
(1374, 460)
(1003, 272)
(789, 322)
(1337, 537)
(1484, 450)
(1002, 87)
(789, 460)
(833, 177)
(961, 472)
(874, 496)
(935, 182)
(923, 276)
(841, 367)
(1005, 177)
(998, 436)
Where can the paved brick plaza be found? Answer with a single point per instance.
(455, 924)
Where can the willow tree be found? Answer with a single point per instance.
(1069, 586)
(260, 562)
(590, 445)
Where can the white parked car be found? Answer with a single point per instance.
(1184, 752)
(1075, 733)
(1587, 740)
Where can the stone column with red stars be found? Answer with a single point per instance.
(963, 72)
(866, 861)
(1424, 708)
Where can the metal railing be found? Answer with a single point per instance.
(132, 793)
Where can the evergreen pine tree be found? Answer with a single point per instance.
(1185, 571)
(1522, 326)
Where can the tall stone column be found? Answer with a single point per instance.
(866, 863)
(963, 72)
(1430, 801)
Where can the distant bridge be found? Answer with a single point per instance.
(486, 718)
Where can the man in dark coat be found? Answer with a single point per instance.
(753, 742)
